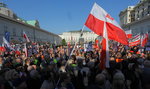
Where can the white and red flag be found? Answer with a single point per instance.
(144, 39)
(100, 22)
(98, 16)
(135, 40)
(26, 37)
(129, 34)
(25, 50)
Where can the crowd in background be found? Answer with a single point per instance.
(52, 67)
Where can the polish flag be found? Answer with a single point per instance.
(26, 37)
(129, 34)
(144, 39)
(135, 40)
(25, 50)
(98, 16)
(100, 22)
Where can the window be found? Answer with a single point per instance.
(137, 15)
(149, 7)
(129, 15)
(8, 13)
(14, 31)
(148, 10)
(5, 28)
(142, 13)
(148, 27)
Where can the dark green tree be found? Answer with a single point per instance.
(63, 42)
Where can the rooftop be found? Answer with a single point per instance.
(33, 23)
(25, 24)
(79, 31)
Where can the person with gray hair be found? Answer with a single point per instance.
(118, 81)
(100, 80)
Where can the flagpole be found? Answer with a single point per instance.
(81, 34)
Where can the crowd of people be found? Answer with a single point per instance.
(55, 67)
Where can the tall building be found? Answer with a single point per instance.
(136, 18)
(11, 23)
(73, 36)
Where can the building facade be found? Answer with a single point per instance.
(73, 36)
(136, 18)
(9, 22)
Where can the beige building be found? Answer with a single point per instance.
(10, 22)
(73, 36)
(136, 18)
(125, 16)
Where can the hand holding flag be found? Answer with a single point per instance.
(26, 37)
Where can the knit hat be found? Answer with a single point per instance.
(147, 63)
(100, 79)
(11, 74)
(119, 76)
(34, 74)
(18, 81)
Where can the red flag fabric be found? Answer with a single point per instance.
(17, 52)
(96, 44)
(135, 40)
(2, 49)
(128, 34)
(98, 16)
(26, 37)
(104, 58)
(144, 39)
